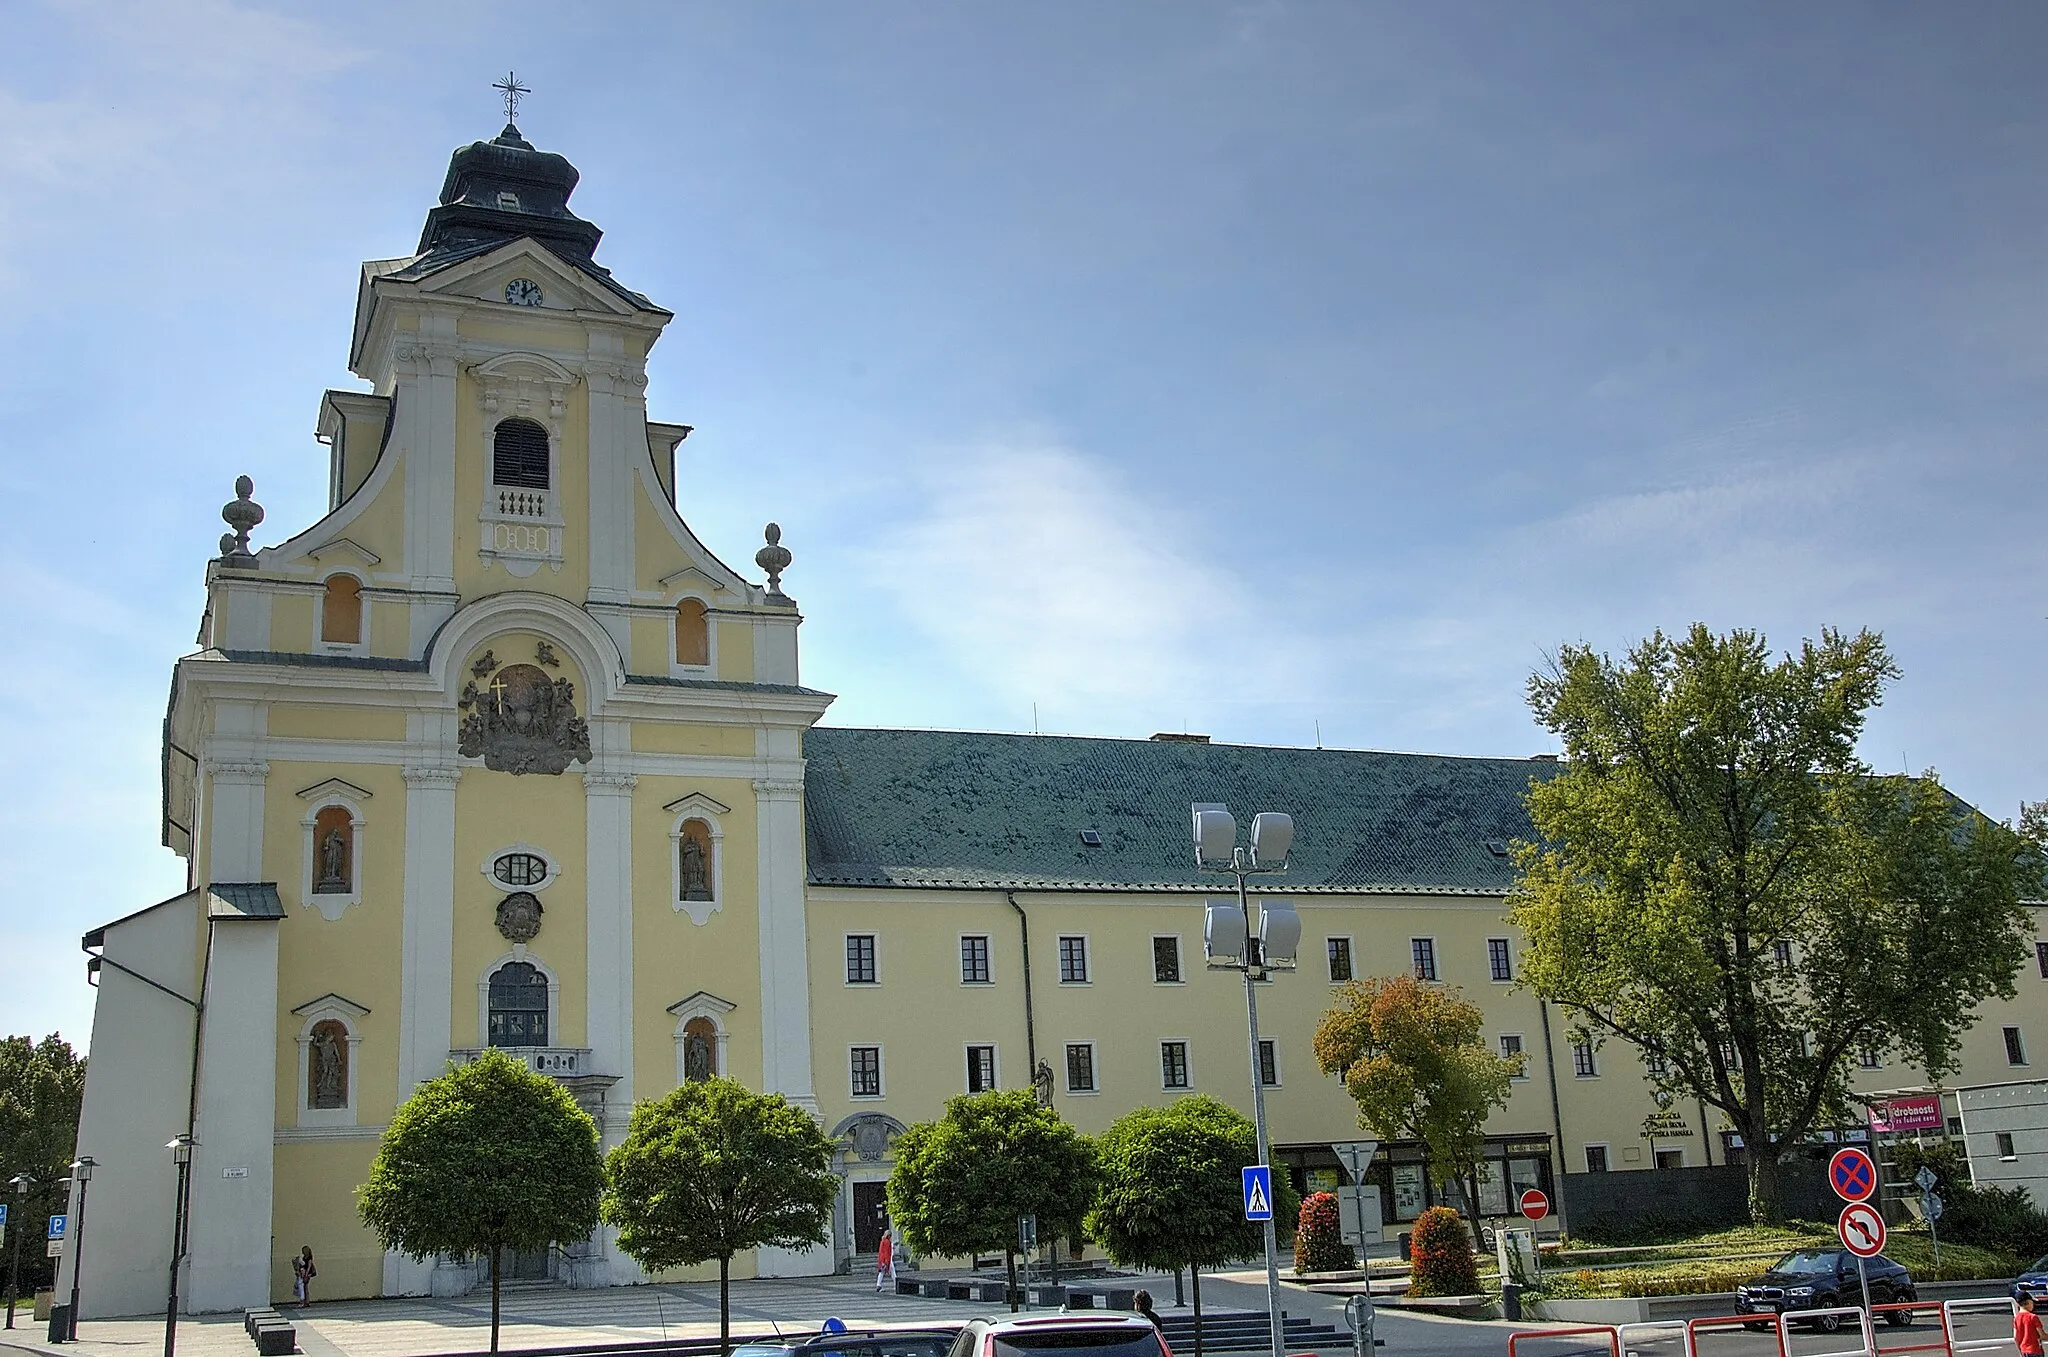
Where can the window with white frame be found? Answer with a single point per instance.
(2015, 1047)
(1269, 1063)
(981, 1069)
(864, 1069)
(1173, 1064)
(1073, 960)
(1781, 953)
(1869, 1058)
(1584, 1064)
(1511, 1047)
(332, 827)
(700, 1037)
(341, 613)
(1081, 1067)
(1655, 1065)
(974, 967)
(2006, 1149)
(1596, 1159)
(327, 1040)
(860, 959)
(696, 856)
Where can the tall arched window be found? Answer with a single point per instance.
(518, 1005)
(519, 455)
(693, 633)
(700, 1050)
(327, 1072)
(334, 851)
(341, 611)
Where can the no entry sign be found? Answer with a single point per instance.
(1852, 1175)
(1534, 1204)
(1862, 1229)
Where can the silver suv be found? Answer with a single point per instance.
(1068, 1335)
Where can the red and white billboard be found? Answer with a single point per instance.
(1919, 1113)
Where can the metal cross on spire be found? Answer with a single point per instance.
(512, 90)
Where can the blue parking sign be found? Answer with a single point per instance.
(56, 1227)
(1258, 1192)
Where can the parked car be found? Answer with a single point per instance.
(844, 1342)
(2033, 1282)
(1069, 1335)
(1818, 1279)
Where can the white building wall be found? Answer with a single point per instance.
(2018, 1110)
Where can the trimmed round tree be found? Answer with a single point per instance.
(1319, 1236)
(961, 1182)
(488, 1157)
(712, 1170)
(1440, 1256)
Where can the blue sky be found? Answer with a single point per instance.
(1255, 369)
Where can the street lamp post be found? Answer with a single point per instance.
(1231, 941)
(74, 1243)
(21, 1183)
(181, 1151)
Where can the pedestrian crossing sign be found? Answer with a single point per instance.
(1258, 1192)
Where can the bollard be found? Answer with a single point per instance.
(1510, 1300)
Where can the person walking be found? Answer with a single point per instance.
(303, 1273)
(2026, 1328)
(885, 1258)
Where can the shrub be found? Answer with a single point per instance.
(1318, 1238)
(1999, 1218)
(1440, 1251)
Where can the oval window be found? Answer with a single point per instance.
(520, 869)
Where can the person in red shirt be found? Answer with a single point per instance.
(2026, 1328)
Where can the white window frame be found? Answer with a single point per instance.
(1187, 1054)
(1350, 955)
(1094, 1069)
(702, 1004)
(988, 946)
(1180, 958)
(1656, 1150)
(881, 1072)
(1087, 958)
(318, 797)
(1523, 1077)
(1509, 978)
(1592, 1060)
(1436, 959)
(708, 669)
(329, 1008)
(1606, 1156)
(489, 867)
(359, 646)
(995, 1063)
(697, 806)
(519, 952)
(2006, 1148)
(845, 960)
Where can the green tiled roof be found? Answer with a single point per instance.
(980, 811)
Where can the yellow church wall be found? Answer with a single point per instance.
(390, 627)
(652, 737)
(313, 1201)
(379, 526)
(292, 621)
(735, 651)
(674, 958)
(311, 721)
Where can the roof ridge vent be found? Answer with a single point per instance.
(1170, 737)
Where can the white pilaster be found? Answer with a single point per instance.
(229, 1226)
(618, 416)
(234, 847)
(785, 968)
(608, 817)
(427, 372)
(426, 974)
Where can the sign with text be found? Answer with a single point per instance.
(56, 1227)
(1665, 1126)
(1907, 1115)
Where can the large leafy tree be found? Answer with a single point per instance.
(1410, 1054)
(962, 1182)
(714, 1169)
(1720, 880)
(41, 1086)
(488, 1157)
(1171, 1190)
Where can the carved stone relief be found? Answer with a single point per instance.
(521, 720)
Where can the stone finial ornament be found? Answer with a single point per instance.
(240, 513)
(774, 558)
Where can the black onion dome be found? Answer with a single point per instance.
(503, 189)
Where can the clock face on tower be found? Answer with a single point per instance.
(523, 292)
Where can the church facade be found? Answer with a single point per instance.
(498, 753)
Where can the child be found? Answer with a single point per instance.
(2026, 1328)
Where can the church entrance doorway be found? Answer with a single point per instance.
(870, 1215)
(524, 1267)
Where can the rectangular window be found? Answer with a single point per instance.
(1423, 951)
(2041, 958)
(1499, 961)
(2015, 1049)
(1073, 961)
(1671, 1159)
(1510, 1047)
(974, 959)
(2005, 1149)
(1081, 1067)
(1781, 952)
(1340, 959)
(1166, 961)
(1583, 1063)
(867, 1071)
(1596, 1159)
(1655, 1065)
(1868, 1058)
(860, 958)
(981, 1068)
(1173, 1064)
(1269, 1063)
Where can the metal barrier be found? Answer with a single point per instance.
(1907, 1307)
(1693, 1327)
(1621, 1331)
(1983, 1303)
(1786, 1318)
(1543, 1335)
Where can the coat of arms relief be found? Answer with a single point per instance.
(521, 719)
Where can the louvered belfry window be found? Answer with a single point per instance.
(519, 455)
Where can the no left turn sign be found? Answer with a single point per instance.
(1862, 1229)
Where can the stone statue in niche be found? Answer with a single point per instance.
(696, 1056)
(519, 917)
(1041, 1082)
(696, 869)
(523, 722)
(328, 1075)
(333, 863)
